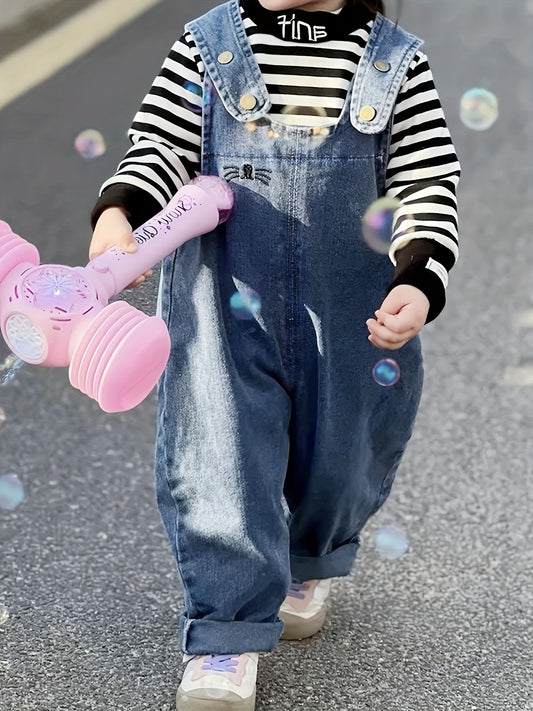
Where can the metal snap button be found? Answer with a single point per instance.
(381, 66)
(225, 57)
(367, 113)
(247, 102)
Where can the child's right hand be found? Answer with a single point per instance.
(114, 230)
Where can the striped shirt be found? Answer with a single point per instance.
(308, 83)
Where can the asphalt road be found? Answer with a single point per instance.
(85, 574)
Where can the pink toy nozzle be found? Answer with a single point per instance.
(220, 190)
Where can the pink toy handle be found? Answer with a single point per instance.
(197, 208)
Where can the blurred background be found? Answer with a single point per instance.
(437, 613)
(25, 19)
(12, 13)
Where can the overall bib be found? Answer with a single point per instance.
(280, 404)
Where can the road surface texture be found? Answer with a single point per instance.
(88, 594)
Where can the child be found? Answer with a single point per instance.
(311, 109)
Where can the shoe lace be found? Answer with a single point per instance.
(296, 590)
(221, 663)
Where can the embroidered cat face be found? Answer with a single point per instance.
(247, 172)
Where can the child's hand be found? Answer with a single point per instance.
(400, 317)
(114, 230)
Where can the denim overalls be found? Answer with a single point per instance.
(282, 403)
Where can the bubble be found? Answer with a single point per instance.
(391, 542)
(386, 372)
(478, 109)
(11, 491)
(8, 369)
(210, 94)
(2, 416)
(245, 304)
(312, 118)
(304, 115)
(90, 144)
(377, 224)
(320, 132)
(195, 91)
(4, 614)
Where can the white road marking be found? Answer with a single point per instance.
(37, 61)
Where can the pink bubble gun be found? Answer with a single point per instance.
(56, 315)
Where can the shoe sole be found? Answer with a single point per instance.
(296, 627)
(186, 702)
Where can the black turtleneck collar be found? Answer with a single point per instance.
(303, 26)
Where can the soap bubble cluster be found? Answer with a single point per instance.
(305, 120)
(90, 144)
(11, 492)
(378, 223)
(304, 115)
(391, 542)
(245, 304)
(194, 101)
(478, 109)
(8, 369)
(386, 372)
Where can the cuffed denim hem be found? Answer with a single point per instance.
(332, 565)
(215, 637)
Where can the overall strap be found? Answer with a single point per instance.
(228, 58)
(381, 70)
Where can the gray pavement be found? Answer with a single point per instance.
(85, 572)
(25, 20)
(12, 13)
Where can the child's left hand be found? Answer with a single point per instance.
(400, 317)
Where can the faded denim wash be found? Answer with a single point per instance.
(282, 404)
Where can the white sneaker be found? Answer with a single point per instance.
(218, 681)
(304, 609)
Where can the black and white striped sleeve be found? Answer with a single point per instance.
(165, 136)
(423, 173)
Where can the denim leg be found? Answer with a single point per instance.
(221, 506)
(347, 437)
(221, 458)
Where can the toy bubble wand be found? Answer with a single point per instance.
(56, 315)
